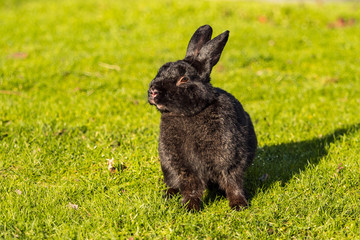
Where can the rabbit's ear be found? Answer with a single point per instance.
(201, 36)
(210, 53)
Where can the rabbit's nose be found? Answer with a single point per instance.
(153, 92)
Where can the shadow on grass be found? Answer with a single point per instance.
(279, 163)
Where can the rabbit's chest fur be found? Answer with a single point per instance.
(207, 144)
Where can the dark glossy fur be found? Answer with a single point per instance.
(206, 137)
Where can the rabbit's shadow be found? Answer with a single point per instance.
(279, 163)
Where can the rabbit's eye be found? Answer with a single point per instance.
(182, 80)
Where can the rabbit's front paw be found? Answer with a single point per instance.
(170, 192)
(191, 203)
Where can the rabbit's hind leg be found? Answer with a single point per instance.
(233, 186)
(236, 198)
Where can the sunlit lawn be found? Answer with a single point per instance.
(73, 82)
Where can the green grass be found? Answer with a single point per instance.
(73, 82)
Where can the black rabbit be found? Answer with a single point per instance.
(206, 137)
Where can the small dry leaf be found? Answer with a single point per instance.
(18, 191)
(19, 55)
(74, 206)
(339, 168)
(262, 19)
(342, 22)
(111, 167)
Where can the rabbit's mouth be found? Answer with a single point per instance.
(153, 96)
(160, 107)
(152, 101)
(157, 105)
